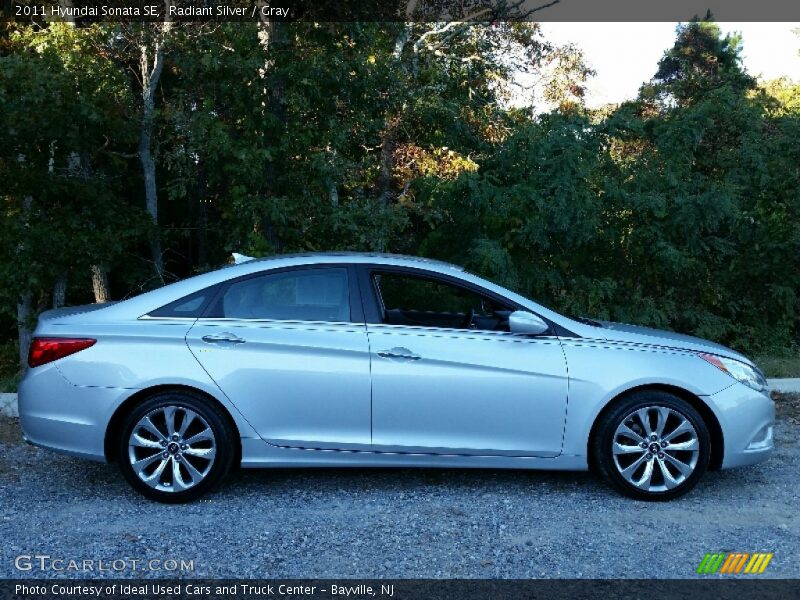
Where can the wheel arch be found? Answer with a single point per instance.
(115, 423)
(710, 419)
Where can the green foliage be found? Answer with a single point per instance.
(678, 209)
(62, 205)
(680, 213)
(701, 61)
(785, 364)
(526, 217)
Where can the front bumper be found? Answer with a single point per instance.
(57, 415)
(747, 418)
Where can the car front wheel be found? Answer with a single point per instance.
(175, 446)
(652, 445)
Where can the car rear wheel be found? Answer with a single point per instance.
(652, 445)
(175, 447)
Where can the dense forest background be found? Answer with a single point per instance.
(132, 155)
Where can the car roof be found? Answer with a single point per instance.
(356, 257)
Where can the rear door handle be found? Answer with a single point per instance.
(402, 353)
(223, 338)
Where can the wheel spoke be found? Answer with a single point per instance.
(188, 417)
(626, 449)
(206, 453)
(196, 475)
(685, 469)
(627, 431)
(148, 425)
(177, 477)
(644, 419)
(663, 415)
(140, 442)
(155, 477)
(644, 481)
(669, 481)
(683, 427)
(143, 463)
(169, 417)
(692, 444)
(206, 434)
(628, 472)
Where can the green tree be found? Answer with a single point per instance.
(701, 61)
(62, 208)
(691, 160)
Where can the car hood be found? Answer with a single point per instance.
(635, 334)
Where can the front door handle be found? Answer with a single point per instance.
(223, 338)
(403, 353)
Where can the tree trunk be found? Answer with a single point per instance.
(405, 34)
(270, 34)
(100, 284)
(266, 34)
(60, 290)
(23, 329)
(333, 193)
(389, 136)
(151, 65)
(24, 302)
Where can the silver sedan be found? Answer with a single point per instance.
(368, 360)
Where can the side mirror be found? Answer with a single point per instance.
(523, 322)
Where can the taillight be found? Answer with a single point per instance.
(45, 350)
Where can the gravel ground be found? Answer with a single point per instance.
(400, 523)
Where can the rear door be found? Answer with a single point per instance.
(448, 377)
(289, 348)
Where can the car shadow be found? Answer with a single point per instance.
(352, 480)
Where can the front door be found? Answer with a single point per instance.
(448, 378)
(287, 350)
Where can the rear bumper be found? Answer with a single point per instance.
(747, 418)
(59, 416)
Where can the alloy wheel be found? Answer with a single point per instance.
(655, 448)
(172, 448)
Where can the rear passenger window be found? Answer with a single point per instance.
(301, 295)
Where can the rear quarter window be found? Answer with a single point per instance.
(188, 307)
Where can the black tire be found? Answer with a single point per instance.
(215, 469)
(602, 446)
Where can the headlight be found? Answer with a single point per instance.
(739, 371)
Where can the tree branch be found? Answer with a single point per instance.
(434, 32)
(537, 9)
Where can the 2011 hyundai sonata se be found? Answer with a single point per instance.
(367, 360)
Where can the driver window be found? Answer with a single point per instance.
(421, 302)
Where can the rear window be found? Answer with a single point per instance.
(301, 295)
